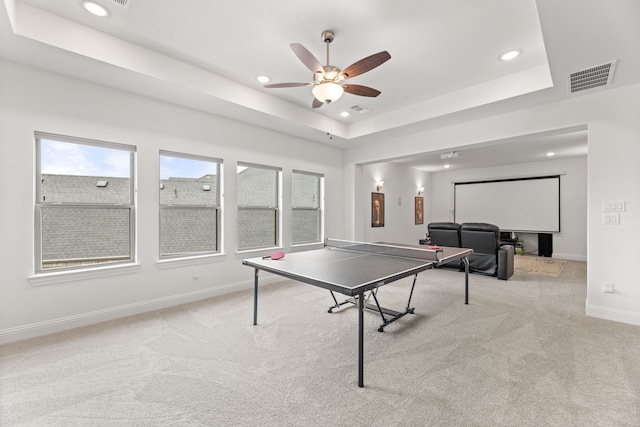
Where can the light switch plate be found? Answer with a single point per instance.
(614, 206)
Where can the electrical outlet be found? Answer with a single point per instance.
(196, 275)
(607, 287)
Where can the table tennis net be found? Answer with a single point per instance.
(388, 249)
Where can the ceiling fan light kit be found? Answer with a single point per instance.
(327, 92)
(327, 79)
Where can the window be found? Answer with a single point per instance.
(85, 211)
(258, 206)
(189, 205)
(306, 197)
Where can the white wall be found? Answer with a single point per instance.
(571, 242)
(400, 189)
(612, 119)
(34, 100)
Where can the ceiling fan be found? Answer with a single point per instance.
(327, 79)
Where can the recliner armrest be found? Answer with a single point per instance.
(506, 255)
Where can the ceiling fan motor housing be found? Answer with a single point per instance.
(327, 36)
(331, 74)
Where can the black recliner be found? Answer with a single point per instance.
(446, 234)
(488, 256)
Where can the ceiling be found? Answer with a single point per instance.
(444, 65)
(558, 144)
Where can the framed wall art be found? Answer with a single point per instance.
(377, 209)
(419, 210)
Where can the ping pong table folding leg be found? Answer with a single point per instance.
(466, 279)
(359, 301)
(255, 297)
(395, 315)
(337, 304)
(361, 340)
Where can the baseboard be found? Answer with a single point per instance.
(616, 315)
(570, 257)
(32, 330)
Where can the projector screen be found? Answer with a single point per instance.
(522, 204)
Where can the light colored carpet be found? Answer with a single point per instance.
(540, 266)
(522, 353)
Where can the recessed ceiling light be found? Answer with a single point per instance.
(263, 79)
(551, 154)
(95, 9)
(512, 54)
(345, 114)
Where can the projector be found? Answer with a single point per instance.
(450, 155)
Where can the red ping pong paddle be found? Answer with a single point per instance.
(434, 247)
(274, 255)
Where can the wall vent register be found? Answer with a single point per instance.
(589, 78)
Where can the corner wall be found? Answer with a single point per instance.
(611, 117)
(35, 100)
(400, 190)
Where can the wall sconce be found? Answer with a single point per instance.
(420, 191)
(379, 185)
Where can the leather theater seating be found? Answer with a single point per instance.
(446, 234)
(488, 256)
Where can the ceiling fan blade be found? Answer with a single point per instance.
(307, 58)
(361, 90)
(316, 103)
(276, 85)
(366, 64)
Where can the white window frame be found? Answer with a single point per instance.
(216, 207)
(40, 204)
(319, 209)
(276, 209)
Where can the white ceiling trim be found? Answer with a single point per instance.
(54, 30)
(62, 33)
(516, 84)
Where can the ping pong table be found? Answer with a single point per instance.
(355, 269)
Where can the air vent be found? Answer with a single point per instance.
(589, 78)
(359, 108)
(122, 3)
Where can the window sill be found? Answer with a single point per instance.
(250, 253)
(307, 246)
(185, 261)
(42, 279)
